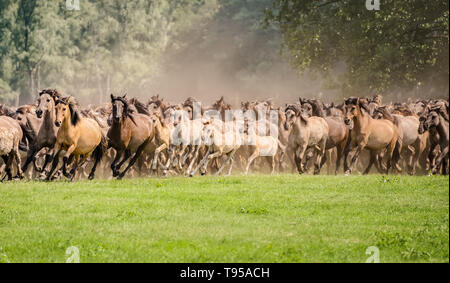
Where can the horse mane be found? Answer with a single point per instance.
(362, 103)
(24, 109)
(140, 107)
(317, 107)
(52, 92)
(386, 114)
(293, 107)
(75, 116)
(158, 101)
(126, 108)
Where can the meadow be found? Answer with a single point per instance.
(257, 218)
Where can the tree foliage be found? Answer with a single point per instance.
(108, 44)
(401, 46)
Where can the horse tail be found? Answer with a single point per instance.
(98, 155)
(100, 149)
(398, 145)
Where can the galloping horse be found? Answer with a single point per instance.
(46, 135)
(129, 133)
(10, 137)
(78, 137)
(306, 133)
(368, 133)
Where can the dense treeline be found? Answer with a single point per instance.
(403, 45)
(127, 46)
(106, 44)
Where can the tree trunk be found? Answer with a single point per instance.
(38, 77)
(31, 78)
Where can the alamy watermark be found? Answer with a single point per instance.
(373, 5)
(374, 253)
(73, 5)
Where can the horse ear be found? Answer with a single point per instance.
(125, 95)
(112, 96)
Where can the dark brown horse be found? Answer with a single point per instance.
(46, 136)
(129, 133)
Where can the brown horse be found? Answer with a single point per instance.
(306, 133)
(435, 121)
(129, 133)
(10, 137)
(78, 137)
(407, 126)
(338, 132)
(46, 136)
(368, 133)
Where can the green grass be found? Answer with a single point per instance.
(285, 218)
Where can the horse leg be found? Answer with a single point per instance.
(339, 153)
(231, 163)
(5, 160)
(67, 162)
(321, 151)
(415, 157)
(211, 157)
(272, 162)
(30, 156)
(8, 161)
(438, 164)
(355, 158)
(115, 161)
(156, 154)
(133, 160)
(98, 155)
(347, 148)
(229, 157)
(254, 155)
(16, 155)
(124, 159)
(194, 158)
(373, 158)
(56, 152)
(205, 158)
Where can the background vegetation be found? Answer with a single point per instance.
(207, 48)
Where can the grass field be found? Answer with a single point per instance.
(284, 218)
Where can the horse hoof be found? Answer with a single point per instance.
(91, 177)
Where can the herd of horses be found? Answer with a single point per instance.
(57, 138)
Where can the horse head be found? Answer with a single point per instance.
(65, 109)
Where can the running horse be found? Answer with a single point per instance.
(129, 133)
(372, 134)
(79, 137)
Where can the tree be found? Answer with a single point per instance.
(404, 45)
